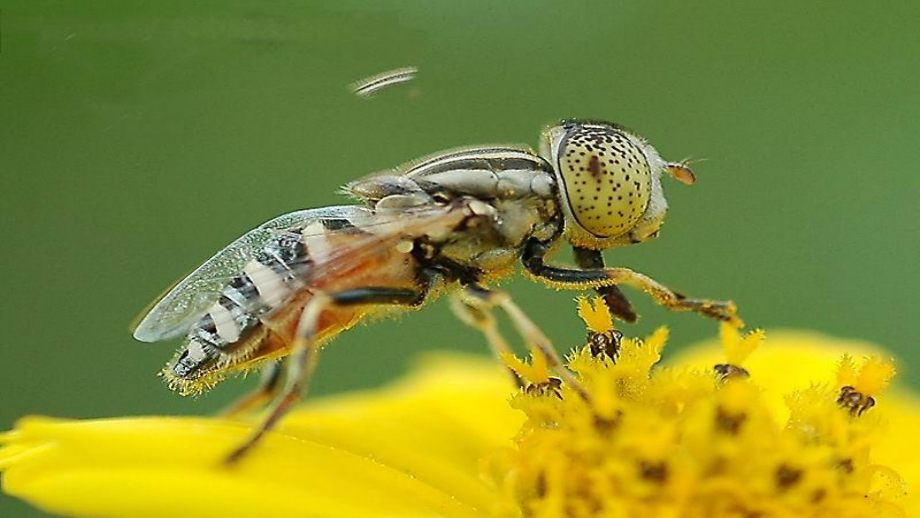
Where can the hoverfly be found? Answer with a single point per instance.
(452, 222)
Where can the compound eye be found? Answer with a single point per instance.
(608, 180)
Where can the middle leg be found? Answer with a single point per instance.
(482, 319)
(268, 388)
(529, 330)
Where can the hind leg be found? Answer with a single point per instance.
(305, 351)
(269, 387)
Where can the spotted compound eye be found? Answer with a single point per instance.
(607, 179)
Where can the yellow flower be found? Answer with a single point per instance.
(783, 428)
(726, 432)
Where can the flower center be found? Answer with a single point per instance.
(669, 442)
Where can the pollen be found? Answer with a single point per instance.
(655, 441)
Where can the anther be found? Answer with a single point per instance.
(551, 386)
(729, 422)
(654, 471)
(856, 402)
(605, 344)
(728, 371)
(787, 476)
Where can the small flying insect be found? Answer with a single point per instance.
(369, 86)
(451, 223)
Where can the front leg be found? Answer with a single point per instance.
(534, 258)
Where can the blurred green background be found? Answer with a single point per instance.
(136, 138)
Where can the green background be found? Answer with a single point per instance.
(136, 138)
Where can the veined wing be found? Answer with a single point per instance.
(177, 309)
(181, 307)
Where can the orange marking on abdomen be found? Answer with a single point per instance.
(388, 269)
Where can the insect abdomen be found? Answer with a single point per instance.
(265, 284)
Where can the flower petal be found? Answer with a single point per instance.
(410, 450)
(436, 424)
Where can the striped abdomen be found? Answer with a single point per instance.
(264, 285)
(265, 331)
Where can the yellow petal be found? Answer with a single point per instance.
(597, 318)
(410, 450)
(436, 423)
(657, 340)
(846, 371)
(875, 375)
(536, 372)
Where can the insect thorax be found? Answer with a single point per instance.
(493, 245)
(512, 188)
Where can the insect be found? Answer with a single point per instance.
(371, 85)
(453, 222)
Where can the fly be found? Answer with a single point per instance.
(451, 223)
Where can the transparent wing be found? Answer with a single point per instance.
(179, 307)
(185, 303)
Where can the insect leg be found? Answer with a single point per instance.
(482, 319)
(619, 305)
(375, 295)
(304, 350)
(562, 278)
(269, 386)
(529, 330)
(300, 369)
